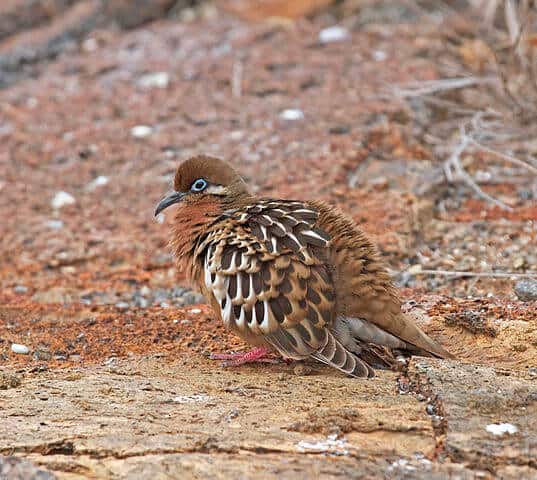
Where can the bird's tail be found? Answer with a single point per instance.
(337, 356)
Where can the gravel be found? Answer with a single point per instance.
(526, 290)
(144, 297)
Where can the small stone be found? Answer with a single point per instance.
(90, 44)
(292, 114)
(122, 305)
(237, 135)
(195, 310)
(501, 428)
(54, 224)
(42, 354)
(141, 302)
(154, 80)
(519, 262)
(145, 291)
(141, 131)
(339, 130)
(301, 369)
(99, 181)
(333, 34)
(7, 380)
(379, 55)
(20, 289)
(61, 199)
(526, 290)
(21, 349)
(415, 269)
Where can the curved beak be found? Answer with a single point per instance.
(174, 197)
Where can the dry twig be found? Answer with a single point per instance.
(451, 273)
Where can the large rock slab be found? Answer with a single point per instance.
(147, 417)
(485, 417)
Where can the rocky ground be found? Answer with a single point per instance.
(103, 346)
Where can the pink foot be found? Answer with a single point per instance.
(257, 355)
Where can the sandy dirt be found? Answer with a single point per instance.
(117, 382)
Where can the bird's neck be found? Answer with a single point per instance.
(192, 221)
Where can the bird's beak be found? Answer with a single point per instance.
(174, 197)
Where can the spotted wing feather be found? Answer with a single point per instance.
(265, 267)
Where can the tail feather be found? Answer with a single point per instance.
(354, 333)
(335, 355)
(320, 345)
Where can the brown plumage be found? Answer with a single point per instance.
(298, 277)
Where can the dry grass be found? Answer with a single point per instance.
(487, 104)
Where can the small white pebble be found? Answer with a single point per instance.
(501, 428)
(236, 135)
(145, 291)
(54, 224)
(18, 348)
(333, 34)
(379, 55)
(99, 181)
(141, 131)
(292, 114)
(154, 80)
(195, 310)
(32, 102)
(61, 199)
(122, 305)
(90, 44)
(20, 289)
(414, 269)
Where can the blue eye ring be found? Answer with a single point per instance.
(198, 185)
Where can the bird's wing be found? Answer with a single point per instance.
(364, 285)
(266, 267)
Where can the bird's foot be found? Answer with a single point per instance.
(257, 355)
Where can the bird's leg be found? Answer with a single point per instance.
(257, 355)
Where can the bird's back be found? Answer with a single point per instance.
(364, 287)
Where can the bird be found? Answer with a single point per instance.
(294, 278)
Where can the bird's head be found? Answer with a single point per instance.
(204, 179)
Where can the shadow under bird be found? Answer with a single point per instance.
(295, 277)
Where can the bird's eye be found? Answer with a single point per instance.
(199, 185)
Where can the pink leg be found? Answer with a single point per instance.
(257, 355)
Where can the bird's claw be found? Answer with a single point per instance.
(234, 359)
